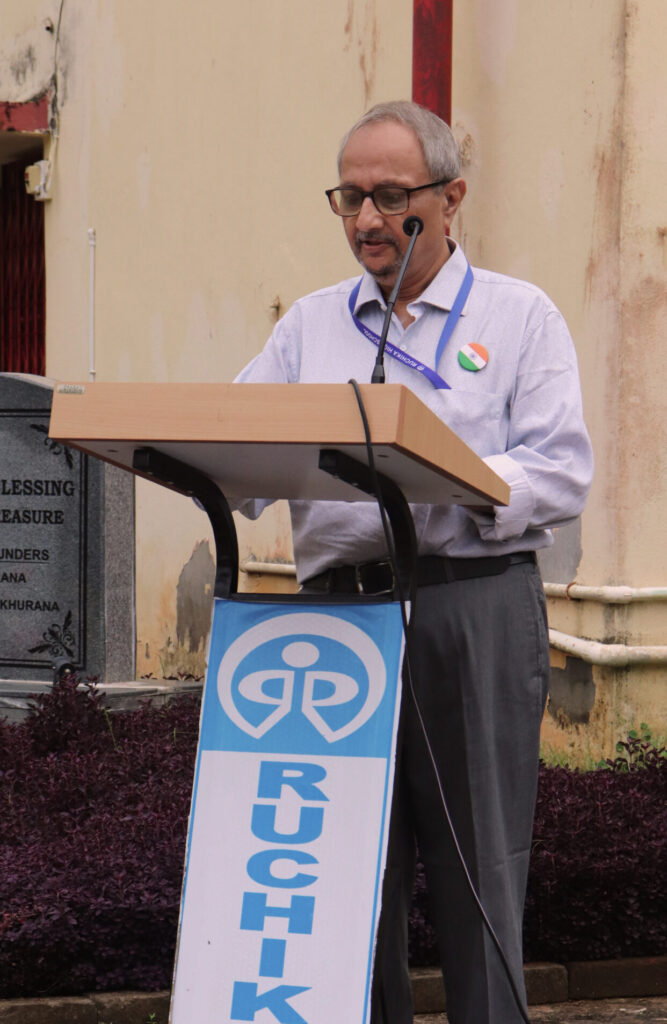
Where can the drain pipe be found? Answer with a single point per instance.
(593, 651)
(605, 595)
(612, 655)
(253, 567)
(92, 242)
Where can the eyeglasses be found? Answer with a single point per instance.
(347, 200)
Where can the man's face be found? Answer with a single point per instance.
(388, 153)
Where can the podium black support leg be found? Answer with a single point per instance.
(358, 474)
(181, 477)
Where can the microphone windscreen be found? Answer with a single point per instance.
(413, 225)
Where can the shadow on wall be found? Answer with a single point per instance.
(194, 606)
(559, 564)
(571, 693)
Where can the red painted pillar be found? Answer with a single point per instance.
(31, 116)
(432, 56)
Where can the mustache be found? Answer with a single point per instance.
(374, 236)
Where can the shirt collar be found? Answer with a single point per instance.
(441, 292)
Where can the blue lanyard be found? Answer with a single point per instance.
(447, 331)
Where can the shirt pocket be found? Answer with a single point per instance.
(480, 418)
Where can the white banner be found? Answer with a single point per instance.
(290, 814)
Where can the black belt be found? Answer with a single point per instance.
(378, 577)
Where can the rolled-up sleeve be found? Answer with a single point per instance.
(548, 462)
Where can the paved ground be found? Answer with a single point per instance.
(594, 1011)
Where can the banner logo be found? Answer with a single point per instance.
(321, 667)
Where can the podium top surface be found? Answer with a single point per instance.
(263, 440)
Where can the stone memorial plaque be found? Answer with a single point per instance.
(43, 549)
(66, 548)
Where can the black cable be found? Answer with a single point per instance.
(389, 540)
(391, 550)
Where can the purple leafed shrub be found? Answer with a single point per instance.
(596, 887)
(599, 863)
(92, 839)
(93, 823)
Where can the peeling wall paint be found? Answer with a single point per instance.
(559, 564)
(587, 715)
(362, 37)
(580, 114)
(27, 49)
(194, 598)
(21, 64)
(571, 693)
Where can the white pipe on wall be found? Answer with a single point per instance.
(92, 242)
(270, 568)
(614, 655)
(574, 591)
(605, 595)
(592, 651)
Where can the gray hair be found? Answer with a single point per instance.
(441, 152)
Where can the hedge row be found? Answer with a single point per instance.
(92, 834)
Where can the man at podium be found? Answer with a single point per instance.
(493, 358)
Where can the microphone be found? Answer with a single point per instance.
(412, 226)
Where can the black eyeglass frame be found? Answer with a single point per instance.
(378, 188)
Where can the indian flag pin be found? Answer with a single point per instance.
(473, 357)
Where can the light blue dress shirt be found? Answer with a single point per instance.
(521, 413)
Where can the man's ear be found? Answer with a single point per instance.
(452, 197)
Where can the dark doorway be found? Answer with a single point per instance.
(22, 275)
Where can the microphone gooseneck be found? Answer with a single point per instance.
(412, 227)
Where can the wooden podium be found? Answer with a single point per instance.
(295, 763)
(268, 441)
(263, 440)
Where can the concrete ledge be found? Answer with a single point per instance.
(610, 979)
(131, 1007)
(66, 1010)
(558, 983)
(545, 984)
(16, 696)
(97, 1008)
(428, 992)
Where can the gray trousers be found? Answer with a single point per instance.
(480, 671)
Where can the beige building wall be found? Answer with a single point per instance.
(559, 110)
(194, 145)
